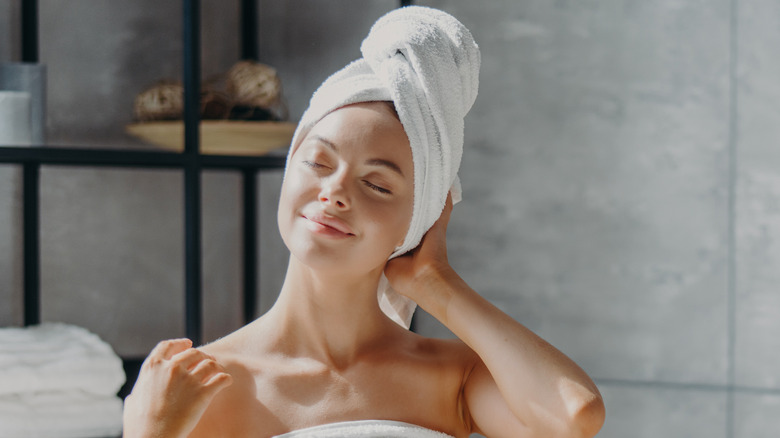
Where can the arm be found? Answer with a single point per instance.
(174, 388)
(521, 385)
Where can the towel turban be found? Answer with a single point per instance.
(427, 63)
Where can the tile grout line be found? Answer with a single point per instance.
(732, 218)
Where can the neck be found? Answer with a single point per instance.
(331, 317)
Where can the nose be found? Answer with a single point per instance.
(334, 193)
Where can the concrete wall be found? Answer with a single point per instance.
(621, 179)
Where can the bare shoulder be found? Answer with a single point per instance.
(233, 412)
(435, 371)
(225, 345)
(237, 347)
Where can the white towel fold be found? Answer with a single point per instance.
(57, 357)
(366, 429)
(58, 380)
(60, 415)
(427, 63)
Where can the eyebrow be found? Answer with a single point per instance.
(371, 161)
(385, 163)
(325, 141)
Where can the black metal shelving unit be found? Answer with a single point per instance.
(190, 161)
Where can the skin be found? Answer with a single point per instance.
(325, 352)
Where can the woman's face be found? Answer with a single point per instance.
(347, 198)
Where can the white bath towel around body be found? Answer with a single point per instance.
(366, 429)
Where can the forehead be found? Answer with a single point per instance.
(365, 129)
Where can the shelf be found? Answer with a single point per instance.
(218, 137)
(62, 156)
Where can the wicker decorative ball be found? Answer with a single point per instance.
(164, 101)
(252, 84)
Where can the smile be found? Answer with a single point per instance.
(328, 226)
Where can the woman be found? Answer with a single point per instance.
(371, 176)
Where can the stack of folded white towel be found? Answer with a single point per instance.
(58, 380)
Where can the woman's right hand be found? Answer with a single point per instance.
(173, 390)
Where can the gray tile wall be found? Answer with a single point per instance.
(621, 177)
(758, 196)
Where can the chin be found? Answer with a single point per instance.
(335, 260)
(319, 253)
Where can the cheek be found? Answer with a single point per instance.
(290, 196)
(295, 185)
(405, 219)
(287, 194)
(392, 223)
(283, 211)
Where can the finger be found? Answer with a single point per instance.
(448, 206)
(219, 381)
(444, 219)
(167, 349)
(189, 359)
(207, 369)
(212, 376)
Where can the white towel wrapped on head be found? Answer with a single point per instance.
(427, 63)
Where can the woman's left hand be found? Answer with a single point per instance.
(413, 272)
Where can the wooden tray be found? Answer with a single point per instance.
(218, 137)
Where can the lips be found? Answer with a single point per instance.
(330, 223)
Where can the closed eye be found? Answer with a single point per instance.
(375, 187)
(313, 164)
